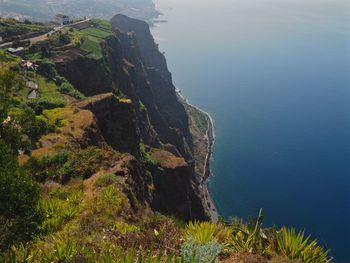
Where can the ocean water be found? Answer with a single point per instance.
(275, 76)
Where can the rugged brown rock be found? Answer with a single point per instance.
(134, 102)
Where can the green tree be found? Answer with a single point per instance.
(47, 68)
(20, 211)
(9, 131)
(7, 84)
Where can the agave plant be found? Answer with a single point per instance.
(250, 238)
(295, 245)
(19, 254)
(64, 250)
(204, 232)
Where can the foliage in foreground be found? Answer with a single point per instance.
(84, 213)
(295, 245)
(250, 237)
(20, 212)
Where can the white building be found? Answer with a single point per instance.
(61, 19)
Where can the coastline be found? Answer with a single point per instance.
(214, 214)
(207, 173)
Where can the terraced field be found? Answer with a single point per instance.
(94, 36)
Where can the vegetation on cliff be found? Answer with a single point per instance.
(109, 174)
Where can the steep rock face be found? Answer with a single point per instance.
(148, 48)
(88, 75)
(174, 193)
(116, 121)
(132, 67)
(174, 127)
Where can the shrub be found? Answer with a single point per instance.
(66, 164)
(106, 180)
(82, 164)
(19, 200)
(47, 167)
(8, 82)
(60, 193)
(46, 102)
(47, 68)
(124, 228)
(64, 39)
(296, 246)
(31, 125)
(60, 80)
(200, 253)
(68, 89)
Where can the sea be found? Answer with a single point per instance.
(275, 77)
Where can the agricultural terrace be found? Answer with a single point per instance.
(94, 35)
(10, 28)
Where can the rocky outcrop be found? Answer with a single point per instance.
(116, 121)
(88, 75)
(135, 103)
(169, 115)
(173, 189)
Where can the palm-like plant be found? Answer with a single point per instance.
(204, 232)
(250, 238)
(295, 245)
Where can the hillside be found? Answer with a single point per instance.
(102, 161)
(45, 10)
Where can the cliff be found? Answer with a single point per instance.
(144, 109)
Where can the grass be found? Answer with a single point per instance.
(94, 36)
(48, 91)
(199, 118)
(96, 32)
(106, 180)
(93, 45)
(103, 24)
(11, 27)
(5, 56)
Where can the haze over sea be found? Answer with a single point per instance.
(275, 76)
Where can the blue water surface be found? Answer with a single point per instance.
(275, 76)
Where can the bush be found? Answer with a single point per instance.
(31, 125)
(106, 180)
(68, 89)
(19, 200)
(64, 39)
(47, 167)
(66, 164)
(200, 253)
(48, 69)
(60, 80)
(46, 103)
(84, 163)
